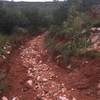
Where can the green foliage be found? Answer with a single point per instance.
(60, 14)
(29, 19)
(10, 18)
(69, 38)
(3, 83)
(90, 54)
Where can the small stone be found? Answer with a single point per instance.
(30, 74)
(52, 75)
(43, 98)
(72, 89)
(4, 98)
(30, 69)
(86, 62)
(63, 98)
(8, 52)
(3, 57)
(98, 86)
(53, 86)
(62, 84)
(98, 93)
(95, 46)
(4, 48)
(44, 79)
(30, 82)
(15, 98)
(63, 90)
(34, 69)
(74, 98)
(40, 62)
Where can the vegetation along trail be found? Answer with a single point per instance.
(34, 76)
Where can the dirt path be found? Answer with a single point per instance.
(33, 76)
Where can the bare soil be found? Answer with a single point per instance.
(32, 75)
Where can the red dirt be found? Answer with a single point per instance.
(33, 76)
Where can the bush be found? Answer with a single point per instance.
(60, 14)
(29, 19)
(10, 18)
(69, 38)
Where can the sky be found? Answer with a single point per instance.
(32, 0)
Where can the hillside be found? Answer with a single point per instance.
(48, 7)
(34, 76)
(43, 7)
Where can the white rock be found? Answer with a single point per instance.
(69, 66)
(44, 79)
(15, 98)
(95, 46)
(38, 78)
(74, 98)
(59, 56)
(98, 93)
(62, 84)
(40, 61)
(72, 89)
(30, 82)
(63, 98)
(29, 73)
(86, 62)
(63, 90)
(4, 98)
(30, 69)
(34, 69)
(98, 29)
(4, 48)
(94, 39)
(3, 57)
(8, 52)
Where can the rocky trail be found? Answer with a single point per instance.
(34, 76)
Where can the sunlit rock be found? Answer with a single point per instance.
(4, 57)
(30, 82)
(63, 98)
(4, 98)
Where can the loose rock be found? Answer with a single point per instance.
(30, 82)
(74, 98)
(63, 98)
(4, 98)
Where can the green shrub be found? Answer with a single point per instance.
(90, 54)
(10, 18)
(69, 38)
(60, 14)
(29, 19)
